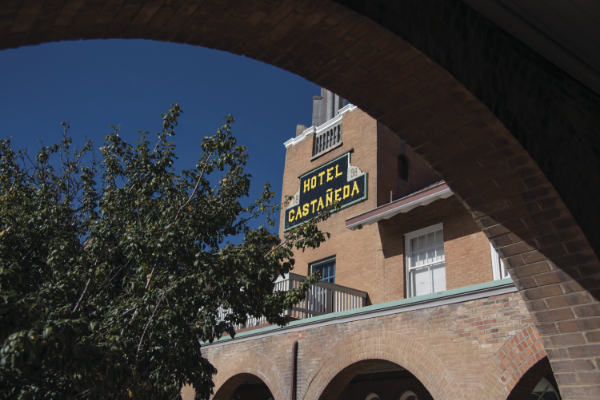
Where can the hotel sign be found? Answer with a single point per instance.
(338, 180)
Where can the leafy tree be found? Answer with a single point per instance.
(113, 270)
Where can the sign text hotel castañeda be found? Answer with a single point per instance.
(335, 181)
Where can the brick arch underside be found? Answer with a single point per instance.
(358, 352)
(234, 369)
(389, 73)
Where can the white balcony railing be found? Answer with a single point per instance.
(321, 298)
(328, 136)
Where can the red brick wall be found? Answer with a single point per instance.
(502, 164)
(372, 258)
(467, 250)
(531, 378)
(456, 351)
(385, 389)
(358, 253)
(389, 147)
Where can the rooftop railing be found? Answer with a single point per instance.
(328, 136)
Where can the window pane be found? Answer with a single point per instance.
(439, 237)
(429, 239)
(440, 252)
(439, 277)
(425, 252)
(421, 258)
(327, 271)
(421, 282)
(422, 242)
(503, 270)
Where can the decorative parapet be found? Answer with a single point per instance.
(318, 131)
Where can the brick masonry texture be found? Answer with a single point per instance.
(387, 389)
(466, 248)
(389, 147)
(513, 136)
(372, 258)
(471, 350)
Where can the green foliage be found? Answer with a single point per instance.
(113, 271)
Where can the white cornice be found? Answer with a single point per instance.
(320, 128)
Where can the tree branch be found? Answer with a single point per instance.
(87, 285)
(197, 184)
(146, 328)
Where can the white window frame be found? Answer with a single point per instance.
(498, 268)
(318, 263)
(408, 255)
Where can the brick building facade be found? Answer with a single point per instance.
(499, 108)
(432, 312)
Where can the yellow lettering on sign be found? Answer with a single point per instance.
(291, 215)
(329, 197)
(321, 177)
(312, 203)
(320, 204)
(306, 186)
(299, 213)
(336, 171)
(346, 192)
(337, 194)
(329, 176)
(305, 210)
(355, 188)
(313, 182)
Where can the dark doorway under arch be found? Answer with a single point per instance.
(252, 388)
(375, 379)
(534, 378)
(244, 387)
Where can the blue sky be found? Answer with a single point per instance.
(94, 84)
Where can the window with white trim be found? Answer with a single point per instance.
(498, 267)
(425, 261)
(326, 267)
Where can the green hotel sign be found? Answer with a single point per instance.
(338, 180)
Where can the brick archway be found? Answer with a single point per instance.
(360, 351)
(451, 104)
(518, 355)
(531, 378)
(234, 369)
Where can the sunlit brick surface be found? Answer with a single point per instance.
(449, 83)
(472, 350)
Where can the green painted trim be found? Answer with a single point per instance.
(376, 307)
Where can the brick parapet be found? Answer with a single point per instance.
(458, 341)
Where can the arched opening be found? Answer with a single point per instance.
(538, 383)
(244, 387)
(376, 379)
